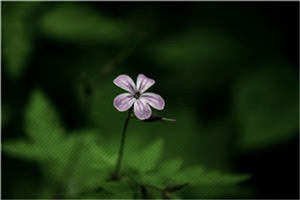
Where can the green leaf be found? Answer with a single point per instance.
(202, 45)
(75, 160)
(210, 184)
(163, 175)
(119, 190)
(71, 158)
(42, 123)
(46, 142)
(85, 150)
(70, 22)
(266, 104)
(207, 52)
(146, 158)
(22, 149)
(197, 175)
(170, 167)
(68, 156)
(17, 37)
(101, 158)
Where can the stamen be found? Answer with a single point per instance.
(137, 95)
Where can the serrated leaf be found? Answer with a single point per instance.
(68, 156)
(102, 159)
(169, 167)
(74, 165)
(42, 123)
(210, 184)
(85, 152)
(71, 157)
(163, 175)
(70, 22)
(147, 158)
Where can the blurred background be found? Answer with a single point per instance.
(227, 71)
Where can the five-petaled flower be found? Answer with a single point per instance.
(137, 96)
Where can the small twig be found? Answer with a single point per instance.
(155, 117)
(168, 119)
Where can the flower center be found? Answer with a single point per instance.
(137, 95)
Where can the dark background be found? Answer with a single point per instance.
(263, 30)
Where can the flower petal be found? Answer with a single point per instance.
(142, 110)
(124, 101)
(143, 83)
(125, 82)
(154, 100)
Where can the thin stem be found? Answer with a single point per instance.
(168, 119)
(120, 157)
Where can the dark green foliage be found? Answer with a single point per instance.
(228, 75)
(259, 100)
(80, 164)
(17, 37)
(75, 23)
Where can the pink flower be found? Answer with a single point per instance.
(137, 97)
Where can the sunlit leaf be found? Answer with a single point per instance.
(42, 123)
(85, 150)
(163, 175)
(170, 167)
(69, 156)
(146, 158)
